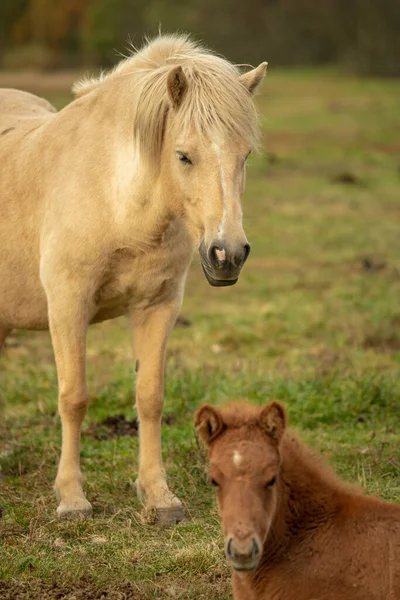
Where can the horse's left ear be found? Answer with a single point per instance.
(253, 78)
(273, 420)
(208, 422)
(177, 86)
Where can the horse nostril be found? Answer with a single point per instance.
(255, 551)
(246, 252)
(241, 256)
(217, 254)
(229, 549)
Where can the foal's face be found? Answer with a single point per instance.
(244, 473)
(244, 469)
(210, 176)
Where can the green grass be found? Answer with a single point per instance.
(313, 321)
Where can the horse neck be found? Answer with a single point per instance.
(308, 497)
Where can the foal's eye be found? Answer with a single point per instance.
(213, 483)
(183, 157)
(271, 482)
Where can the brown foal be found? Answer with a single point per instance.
(293, 530)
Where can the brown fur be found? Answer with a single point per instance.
(321, 538)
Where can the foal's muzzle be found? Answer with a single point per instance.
(221, 264)
(243, 556)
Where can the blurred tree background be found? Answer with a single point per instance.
(362, 35)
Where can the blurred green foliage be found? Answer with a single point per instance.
(360, 34)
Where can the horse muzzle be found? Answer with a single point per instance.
(221, 264)
(243, 556)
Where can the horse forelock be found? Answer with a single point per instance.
(300, 462)
(217, 103)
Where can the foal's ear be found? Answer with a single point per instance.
(253, 78)
(273, 420)
(177, 86)
(208, 422)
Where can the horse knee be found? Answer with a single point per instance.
(149, 407)
(73, 402)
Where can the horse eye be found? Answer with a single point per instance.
(271, 482)
(184, 158)
(214, 483)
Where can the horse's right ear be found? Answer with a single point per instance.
(208, 422)
(273, 420)
(177, 86)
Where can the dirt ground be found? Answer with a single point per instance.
(36, 589)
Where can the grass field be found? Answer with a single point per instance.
(313, 321)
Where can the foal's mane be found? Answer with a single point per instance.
(216, 102)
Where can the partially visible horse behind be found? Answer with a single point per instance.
(101, 207)
(294, 531)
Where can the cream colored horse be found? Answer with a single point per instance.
(101, 206)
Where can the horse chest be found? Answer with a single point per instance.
(137, 280)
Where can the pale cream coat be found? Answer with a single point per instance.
(101, 207)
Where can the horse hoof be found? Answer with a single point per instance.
(75, 512)
(163, 517)
(170, 514)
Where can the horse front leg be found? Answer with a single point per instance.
(151, 330)
(68, 325)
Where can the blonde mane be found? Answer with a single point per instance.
(217, 103)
